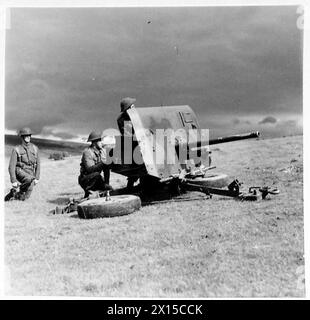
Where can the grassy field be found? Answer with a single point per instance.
(210, 248)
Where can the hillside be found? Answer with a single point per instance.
(212, 248)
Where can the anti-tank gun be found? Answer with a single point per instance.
(192, 172)
(199, 179)
(155, 178)
(235, 137)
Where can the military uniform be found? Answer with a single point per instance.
(92, 165)
(123, 120)
(24, 167)
(126, 128)
(124, 124)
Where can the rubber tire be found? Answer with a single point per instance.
(211, 180)
(100, 208)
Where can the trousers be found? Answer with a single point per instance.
(26, 177)
(91, 182)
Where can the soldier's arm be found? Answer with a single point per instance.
(38, 167)
(120, 123)
(106, 166)
(89, 163)
(12, 166)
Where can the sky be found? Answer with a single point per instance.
(239, 68)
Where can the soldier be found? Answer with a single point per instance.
(126, 129)
(92, 165)
(24, 167)
(123, 120)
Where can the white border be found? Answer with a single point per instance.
(145, 3)
(306, 132)
(2, 80)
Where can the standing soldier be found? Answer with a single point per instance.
(123, 120)
(126, 129)
(93, 163)
(24, 167)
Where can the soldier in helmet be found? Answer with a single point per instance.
(126, 128)
(123, 120)
(93, 164)
(24, 167)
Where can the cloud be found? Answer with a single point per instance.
(59, 134)
(288, 124)
(230, 61)
(268, 119)
(35, 121)
(237, 121)
(291, 126)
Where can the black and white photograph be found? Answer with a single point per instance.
(154, 152)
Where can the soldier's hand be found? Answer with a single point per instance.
(36, 181)
(15, 185)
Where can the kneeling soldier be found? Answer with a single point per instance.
(92, 165)
(24, 167)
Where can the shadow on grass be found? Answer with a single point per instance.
(70, 194)
(75, 216)
(59, 200)
(64, 198)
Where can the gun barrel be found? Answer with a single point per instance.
(236, 137)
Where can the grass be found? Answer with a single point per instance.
(209, 248)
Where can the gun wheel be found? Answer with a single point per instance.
(100, 208)
(211, 180)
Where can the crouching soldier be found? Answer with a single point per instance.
(24, 167)
(93, 164)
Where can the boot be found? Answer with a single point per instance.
(108, 187)
(10, 195)
(130, 183)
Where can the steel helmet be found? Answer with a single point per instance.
(126, 103)
(25, 132)
(94, 135)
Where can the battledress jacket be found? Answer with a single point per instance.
(125, 124)
(92, 161)
(26, 157)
